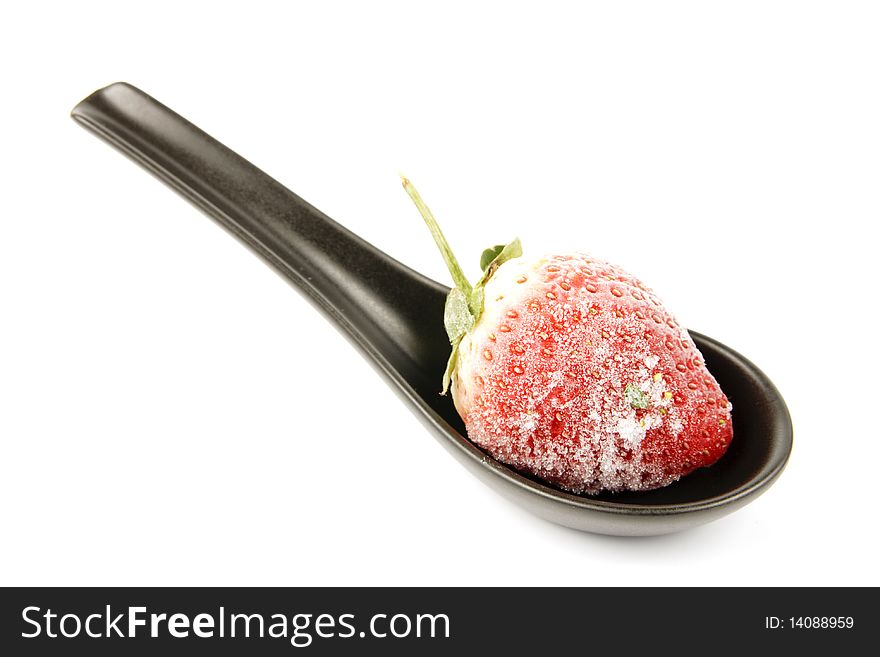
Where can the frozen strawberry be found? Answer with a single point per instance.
(571, 369)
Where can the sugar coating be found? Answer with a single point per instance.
(541, 379)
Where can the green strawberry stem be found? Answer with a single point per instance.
(458, 277)
(464, 304)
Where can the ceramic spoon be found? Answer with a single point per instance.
(395, 316)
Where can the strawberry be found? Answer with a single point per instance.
(571, 369)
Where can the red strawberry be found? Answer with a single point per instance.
(571, 369)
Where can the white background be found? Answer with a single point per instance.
(173, 412)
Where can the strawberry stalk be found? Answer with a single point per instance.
(464, 304)
(461, 281)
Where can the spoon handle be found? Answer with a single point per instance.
(377, 300)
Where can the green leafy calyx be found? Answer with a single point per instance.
(464, 303)
(489, 255)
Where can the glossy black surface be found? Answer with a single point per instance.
(395, 316)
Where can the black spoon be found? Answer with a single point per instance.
(395, 316)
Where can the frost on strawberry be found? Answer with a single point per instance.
(570, 369)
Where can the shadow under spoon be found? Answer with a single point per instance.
(394, 315)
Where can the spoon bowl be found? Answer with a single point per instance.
(394, 315)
